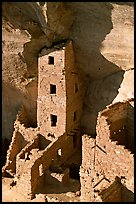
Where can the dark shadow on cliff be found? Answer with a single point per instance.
(12, 101)
(5, 146)
(27, 16)
(99, 94)
(93, 21)
(24, 16)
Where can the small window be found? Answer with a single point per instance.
(59, 153)
(76, 87)
(52, 89)
(75, 115)
(40, 170)
(53, 120)
(51, 60)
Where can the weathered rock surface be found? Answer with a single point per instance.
(102, 34)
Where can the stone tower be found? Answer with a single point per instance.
(60, 91)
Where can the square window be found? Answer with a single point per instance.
(52, 89)
(51, 60)
(53, 120)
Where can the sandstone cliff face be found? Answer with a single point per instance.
(102, 35)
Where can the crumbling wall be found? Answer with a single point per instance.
(51, 156)
(26, 150)
(115, 160)
(18, 142)
(115, 155)
(39, 162)
(37, 144)
(28, 133)
(24, 167)
(105, 157)
(119, 118)
(21, 137)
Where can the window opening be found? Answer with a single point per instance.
(59, 153)
(51, 60)
(52, 89)
(76, 87)
(53, 120)
(74, 171)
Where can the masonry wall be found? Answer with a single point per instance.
(39, 162)
(75, 88)
(119, 120)
(105, 158)
(23, 168)
(67, 102)
(21, 124)
(24, 180)
(18, 142)
(21, 137)
(48, 103)
(115, 159)
(86, 169)
(27, 153)
(50, 156)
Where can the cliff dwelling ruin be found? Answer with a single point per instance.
(70, 141)
(36, 152)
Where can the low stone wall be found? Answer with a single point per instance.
(21, 137)
(18, 142)
(28, 133)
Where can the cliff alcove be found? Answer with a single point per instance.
(102, 36)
